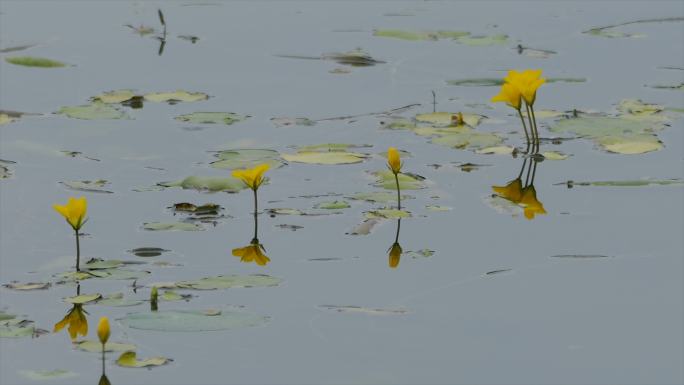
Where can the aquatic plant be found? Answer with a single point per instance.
(75, 214)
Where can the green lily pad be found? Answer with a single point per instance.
(363, 310)
(226, 118)
(30, 61)
(332, 147)
(83, 298)
(387, 214)
(407, 181)
(286, 122)
(97, 263)
(118, 300)
(96, 346)
(378, 197)
(146, 252)
(443, 119)
(192, 320)
(332, 205)
(419, 35)
(5, 316)
(177, 96)
(470, 140)
(41, 375)
(170, 295)
(625, 183)
(16, 328)
(88, 185)
(422, 253)
(438, 208)
(493, 82)
(115, 97)
(483, 40)
(27, 286)
(327, 158)
(554, 155)
(496, 150)
(6, 119)
(355, 58)
(247, 158)
(129, 360)
(207, 183)
(229, 282)
(679, 86)
(93, 111)
(172, 226)
(118, 274)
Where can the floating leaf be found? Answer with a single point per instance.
(247, 158)
(191, 320)
(483, 40)
(88, 185)
(118, 300)
(27, 286)
(146, 252)
(447, 118)
(327, 158)
(93, 111)
(82, 298)
(177, 96)
(581, 256)
(493, 82)
(378, 197)
(364, 310)
(97, 263)
(170, 295)
(332, 147)
(438, 208)
(419, 35)
(118, 274)
(407, 181)
(115, 97)
(41, 375)
(16, 328)
(30, 61)
(285, 122)
(422, 253)
(356, 58)
(626, 183)
(554, 155)
(332, 205)
(497, 150)
(285, 211)
(6, 119)
(129, 360)
(226, 118)
(229, 282)
(679, 86)
(207, 183)
(387, 214)
(172, 226)
(96, 346)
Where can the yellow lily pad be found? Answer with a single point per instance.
(177, 96)
(130, 360)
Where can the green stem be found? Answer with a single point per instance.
(78, 252)
(396, 238)
(527, 136)
(396, 179)
(535, 136)
(536, 129)
(256, 222)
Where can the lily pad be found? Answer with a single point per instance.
(419, 35)
(170, 295)
(16, 328)
(378, 197)
(41, 375)
(97, 263)
(115, 97)
(387, 214)
(286, 122)
(226, 118)
(88, 185)
(6, 119)
(146, 252)
(96, 346)
(365, 227)
(247, 158)
(207, 183)
(118, 300)
(443, 119)
(93, 111)
(438, 208)
(483, 40)
(229, 282)
(30, 61)
(27, 286)
(177, 96)
(172, 226)
(364, 310)
(493, 82)
(326, 158)
(129, 360)
(192, 320)
(355, 58)
(83, 298)
(554, 155)
(332, 205)
(468, 140)
(496, 150)
(118, 274)
(407, 181)
(625, 183)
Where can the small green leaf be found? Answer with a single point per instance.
(226, 118)
(30, 61)
(129, 360)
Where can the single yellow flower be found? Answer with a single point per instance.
(74, 211)
(395, 255)
(253, 177)
(394, 160)
(510, 94)
(103, 330)
(527, 83)
(252, 253)
(512, 191)
(531, 205)
(76, 320)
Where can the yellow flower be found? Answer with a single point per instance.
(512, 191)
(253, 177)
(531, 205)
(103, 330)
(76, 319)
(510, 94)
(393, 160)
(74, 211)
(252, 253)
(395, 255)
(527, 83)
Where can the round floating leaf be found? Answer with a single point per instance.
(468, 140)
(170, 295)
(447, 118)
(483, 40)
(331, 147)
(614, 134)
(118, 274)
(226, 118)
(129, 360)
(407, 181)
(6, 119)
(147, 252)
(30, 61)
(87, 185)
(208, 183)
(40, 375)
(378, 197)
(178, 96)
(118, 300)
(285, 122)
(438, 208)
(172, 226)
(554, 155)
(96, 263)
(229, 282)
(328, 158)
(96, 346)
(497, 150)
(83, 298)
(27, 286)
(93, 111)
(419, 35)
(16, 328)
(192, 320)
(333, 205)
(387, 214)
(115, 97)
(247, 158)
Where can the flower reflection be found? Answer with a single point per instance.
(395, 250)
(75, 320)
(523, 196)
(530, 203)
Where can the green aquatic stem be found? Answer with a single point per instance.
(78, 251)
(535, 134)
(396, 179)
(527, 136)
(536, 129)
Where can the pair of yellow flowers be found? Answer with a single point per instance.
(520, 86)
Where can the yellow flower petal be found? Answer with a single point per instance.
(103, 330)
(393, 160)
(253, 177)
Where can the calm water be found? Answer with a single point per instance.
(609, 320)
